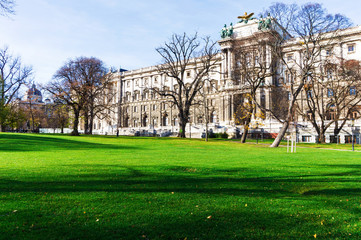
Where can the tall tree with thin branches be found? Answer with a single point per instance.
(13, 75)
(181, 54)
(254, 65)
(312, 28)
(7, 7)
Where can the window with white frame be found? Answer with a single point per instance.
(352, 90)
(329, 92)
(328, 51)
(289, 57)
(256, 60)
(351, 48)
(329, 74)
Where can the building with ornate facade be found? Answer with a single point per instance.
(138, 110)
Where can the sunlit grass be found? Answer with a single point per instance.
(61, 187)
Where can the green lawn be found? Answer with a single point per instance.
(62, 187)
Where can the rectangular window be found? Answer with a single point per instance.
(289, 57)
(309, 94)
(352, 90)
(351, 48)
(329, 92)
(135, 109)
(306, 138)
(188, 74)
(256, 60)
(329, 74)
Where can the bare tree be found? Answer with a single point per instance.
(7, 7)
(312, 28)
(180, 54)
(13, 75)
(68, 86)
(57, 114)
(254, 64)
(285, 14)
(85, 85)
(205, 104)
(98, 90)
(332, 96)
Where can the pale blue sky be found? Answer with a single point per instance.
(45, 33)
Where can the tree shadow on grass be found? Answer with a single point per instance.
(252, 222)
(25, 143)
(117, 178)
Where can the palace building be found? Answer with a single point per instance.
(140, 111)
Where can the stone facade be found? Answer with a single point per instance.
(137, 110)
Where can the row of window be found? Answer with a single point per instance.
(165, 121)
(145, 108)
(352, 91)
(351, 48)
(146, 81)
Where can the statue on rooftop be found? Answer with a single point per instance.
(246, 17)
(224, 31)
(230, 30)
(265, 23)
(260, 23)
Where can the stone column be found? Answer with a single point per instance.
(229, 63)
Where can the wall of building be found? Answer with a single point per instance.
(138, 110)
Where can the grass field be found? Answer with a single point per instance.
(62, 187)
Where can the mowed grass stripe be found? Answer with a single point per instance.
(103, 187)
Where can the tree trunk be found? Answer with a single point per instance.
(182, 126)
(2, 129)
(244, 135)
(86, 123)
(245, 130)
(281, 134)
(91, 121)
(321, 137)
(75, 131)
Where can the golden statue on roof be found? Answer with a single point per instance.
(246, 16)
